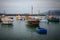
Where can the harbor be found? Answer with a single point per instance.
(29, 27)
(19, 31)
(29, 20)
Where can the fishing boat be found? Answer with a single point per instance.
(27, 17)
(53, 19)
(33, 22)
(6, 20)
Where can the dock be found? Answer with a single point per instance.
(23, 14)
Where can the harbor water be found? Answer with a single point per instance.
(19, 31)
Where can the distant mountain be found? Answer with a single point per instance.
(52, 12)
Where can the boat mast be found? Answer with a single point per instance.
(38, 11)
(31, 9)
(4, 12)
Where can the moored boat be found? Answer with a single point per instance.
(6, 20)
(41, 30)
(0, 19)
(53, 20)
(18, 17)
(33, 22)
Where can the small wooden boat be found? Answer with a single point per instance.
(33, 22)
(27, 17)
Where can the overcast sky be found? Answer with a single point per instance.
(24, 6)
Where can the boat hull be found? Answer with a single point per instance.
(9, 23)
(41, 30)
(33, 23)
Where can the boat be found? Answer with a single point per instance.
(6, 20)
(41, 30)
(0, 19)
(53, 19)
(41, 19)
(11, 17)
(18, 17)
(27, 17)
(44, 20)
(33, 22)
(9, 23)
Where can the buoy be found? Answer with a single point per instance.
(41, 30)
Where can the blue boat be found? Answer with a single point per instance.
(41, 30)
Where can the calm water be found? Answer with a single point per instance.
(19, 31)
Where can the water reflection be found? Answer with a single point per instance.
(31, 28)
(6, 27)
(53, 22)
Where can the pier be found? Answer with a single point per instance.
(23, 14)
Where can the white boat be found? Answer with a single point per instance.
(18, 17)
(44, 20)
(6, 20)
(41, 19)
